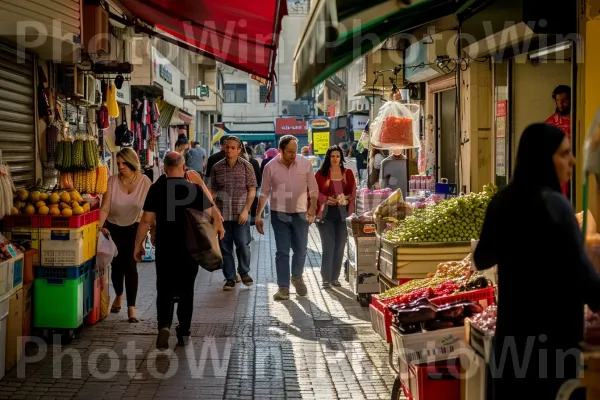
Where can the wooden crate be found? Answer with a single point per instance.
(416, 260)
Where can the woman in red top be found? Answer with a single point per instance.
(337, 191)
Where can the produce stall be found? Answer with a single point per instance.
(425, 323)
(437, 231)
(362, 249)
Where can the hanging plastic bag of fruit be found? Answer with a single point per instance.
(396, 126)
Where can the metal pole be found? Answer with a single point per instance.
(457, 108)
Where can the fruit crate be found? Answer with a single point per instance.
(94, 315)
(485, 297)
(67, 247)
(440, 380)
(76, 221)
(5, 284)
(428, 347)
(15, 270)
(479, 341)
(22, 221)
(58, 302)
(416, 260)
(24, 235)
(360, 227)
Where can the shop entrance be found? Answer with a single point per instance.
(524, 87)
(445, 104)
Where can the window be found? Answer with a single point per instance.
(236, 93)
(263, 94)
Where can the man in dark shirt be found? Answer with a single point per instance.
(215, 158)
(176, 271)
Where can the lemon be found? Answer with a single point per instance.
(65, 197)
(54, 198)
(43, 210)
(67, 212)
(29, 209)
(54, 211)
(78, 210)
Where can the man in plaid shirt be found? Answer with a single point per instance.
(233, 187)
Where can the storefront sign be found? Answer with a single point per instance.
(359, 122)
(289, 126)
(320, 142)
(501, 108)
(165, 74)
(500, 157)
(124, 94)
(320, 123)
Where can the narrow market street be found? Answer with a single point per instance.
(244, 346)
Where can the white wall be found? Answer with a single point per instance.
(532, 92)
(254, 110)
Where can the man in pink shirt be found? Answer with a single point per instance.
(285, 181)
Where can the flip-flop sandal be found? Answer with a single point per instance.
(133, 320)
(115, 309)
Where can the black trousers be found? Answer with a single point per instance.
(124, 267)
(175, 276)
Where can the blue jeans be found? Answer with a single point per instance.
(333, 240)
(240, 236)
(291, 231)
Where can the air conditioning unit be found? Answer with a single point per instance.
(361, 107)
(431, 57)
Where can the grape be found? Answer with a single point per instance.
(455, 220)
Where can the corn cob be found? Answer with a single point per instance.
(101, 179)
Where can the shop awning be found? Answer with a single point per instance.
(254, 136)
(340, 31)
(238, 33)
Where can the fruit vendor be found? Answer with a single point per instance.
(562, 117)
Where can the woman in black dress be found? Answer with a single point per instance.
(544, 276)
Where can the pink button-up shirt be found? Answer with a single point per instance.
(288, 187)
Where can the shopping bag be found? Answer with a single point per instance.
(150, 250)
(202, 241)
(396, 126)
(106, 251)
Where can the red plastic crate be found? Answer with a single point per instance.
(94, 315)
(485, 297)
(438, 381)
(49, 221)
(22, 221)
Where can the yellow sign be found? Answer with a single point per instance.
(320, 142)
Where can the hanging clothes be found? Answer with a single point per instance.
(111, 101)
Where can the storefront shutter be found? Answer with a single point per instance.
(17, 114)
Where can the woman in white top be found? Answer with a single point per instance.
(119, 216)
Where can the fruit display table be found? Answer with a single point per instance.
(400, 261)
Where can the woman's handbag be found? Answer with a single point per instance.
(202, 241)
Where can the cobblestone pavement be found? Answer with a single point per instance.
(244, 346)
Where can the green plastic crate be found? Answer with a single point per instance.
(58, 303)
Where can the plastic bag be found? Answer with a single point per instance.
(363, 142)
(106, 251)
(396, 126)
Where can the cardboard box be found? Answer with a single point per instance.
(27, 299)
(14, 329)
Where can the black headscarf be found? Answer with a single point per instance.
(535, 168)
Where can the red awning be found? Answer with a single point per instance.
(238, 33)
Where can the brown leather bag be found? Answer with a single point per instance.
(202, 241)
